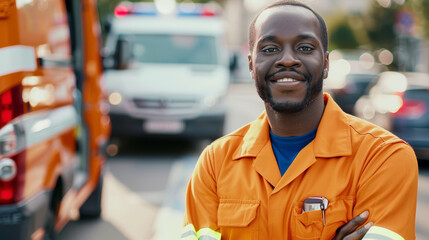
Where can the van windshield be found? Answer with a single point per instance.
(167, 48)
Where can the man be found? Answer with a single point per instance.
(304, 169)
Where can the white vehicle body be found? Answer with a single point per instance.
(169, 90)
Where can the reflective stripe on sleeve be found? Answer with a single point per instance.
(208, 234)
(189, 233)
(379, 233)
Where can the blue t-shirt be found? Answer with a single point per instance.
(286, 148)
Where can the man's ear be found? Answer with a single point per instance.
(326, 69)
(249, 58)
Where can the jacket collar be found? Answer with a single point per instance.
(333, 134)
(332, 137)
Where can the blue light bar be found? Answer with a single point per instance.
(183, 9)
(148, 9)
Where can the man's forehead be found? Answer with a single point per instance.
(285, 10)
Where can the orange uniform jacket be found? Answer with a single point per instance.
(237, 189)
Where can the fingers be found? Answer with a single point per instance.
(355, 222)
(360, 233)
(347, 231)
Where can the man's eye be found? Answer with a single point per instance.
(305, 49)
(270, 50)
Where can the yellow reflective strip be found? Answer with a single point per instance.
(189, 227)
(208, 234)
(379, 233)
(188, 233)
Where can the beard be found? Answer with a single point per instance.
(290, 107)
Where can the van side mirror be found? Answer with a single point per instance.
(123, 54)
(107, 25)
(233, 62)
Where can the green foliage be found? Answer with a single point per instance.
(380, 26)
(346, 31)
(343, 37)
(421, 10)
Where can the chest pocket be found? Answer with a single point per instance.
(309, 225)
(237, 219)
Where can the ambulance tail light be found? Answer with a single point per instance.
(12, 179)
(11, 105)
(7, 174)
(12, 163)
(12, 154)
(5, 108)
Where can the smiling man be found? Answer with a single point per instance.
(304, 169)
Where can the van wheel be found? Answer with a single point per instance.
(91, 209)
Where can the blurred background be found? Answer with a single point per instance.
(165, 107)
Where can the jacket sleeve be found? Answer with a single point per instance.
(388, 189)
(201, 196)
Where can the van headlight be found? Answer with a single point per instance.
(115, 98)
(210, 101)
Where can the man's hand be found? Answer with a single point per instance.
(348, 231)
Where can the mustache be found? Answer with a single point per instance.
(306, 76)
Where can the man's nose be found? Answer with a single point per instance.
(287, 59)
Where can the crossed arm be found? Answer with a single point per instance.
(350, 231)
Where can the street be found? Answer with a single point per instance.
(144, 184)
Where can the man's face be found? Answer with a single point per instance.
(287, 61)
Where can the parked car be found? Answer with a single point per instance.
(350, 72)
(399, 102)
(354, 88)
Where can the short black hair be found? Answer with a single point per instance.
(323, 28)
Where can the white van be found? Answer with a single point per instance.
(167, 75)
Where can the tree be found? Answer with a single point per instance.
(421, 10)
(341, 33)
(399, 28)
(380, 26)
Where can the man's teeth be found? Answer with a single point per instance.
(287, 80)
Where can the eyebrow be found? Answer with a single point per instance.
(306, 36)
(271, 38)
(268, 38)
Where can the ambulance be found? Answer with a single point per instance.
(54, 119)
(167, 70)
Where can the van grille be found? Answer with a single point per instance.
(165, 103)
